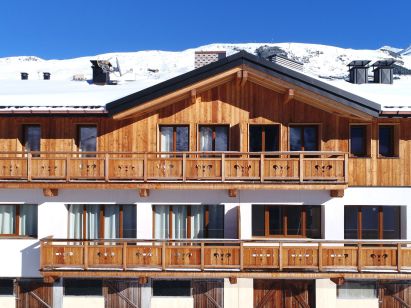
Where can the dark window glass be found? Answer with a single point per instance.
(294, 220)
(351, 222)
(87, 139)
(6, 287)
(304, 138)
(171, 288)
(215, 226)
(129, 221)
(369, 222)
(264, 138)
(25, 214)
(213, 138)
(174, 138)
(313, 215)
(275, 220)
(391, 222)
(386, 140)
(221, 138)
(258, 220)
(358, 135)
(182, 139)
(32, 137)
(83, 287)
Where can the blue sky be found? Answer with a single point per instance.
(64, 29)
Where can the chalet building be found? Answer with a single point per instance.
(242, 183)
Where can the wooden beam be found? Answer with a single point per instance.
(142, 280)
(289, 96)
(193, 96)
(337, 193)
(50, 192)
(50, 279)
(232, 193)
(338, 280)
(144, 192)
(239, 77)
(244, 78)
(233, 280)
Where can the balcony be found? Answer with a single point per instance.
(174, 168)
(61, 257)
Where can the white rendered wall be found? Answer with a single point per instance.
(83, 301)
(172, 302)
(239, 295)
(8, 301)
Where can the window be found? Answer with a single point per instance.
(171, 288)
(18, 220)
(188, 221)
(359, 141)
(213, 138)
(357, 290)
(109, 221)
(304, 138)
(6, 287)
(83, 287)
(386, 141)
(264, 138)
(31, 138)
(291, 221)
(174, 138)
(87, 139)
(372, 222)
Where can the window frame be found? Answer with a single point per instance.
(100, 220)
(318, 126)
(367, 140)
(395, 142)
(188, 219)
(17, 218)
(78, 135)
(278, 125)
(284, 218)
(174, 126)
(380, 220)
(213, 126)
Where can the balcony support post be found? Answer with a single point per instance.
(184, 167)
(124, 256)
(202, 256)
(85, 255)
(232, 193)
(106, 166)
(301, 169)
(144, 192)
(145, 166)
(359, 258)
(163, 256)
(262, 167)
(50, 192)
(280, 256)
(29, 166)
(223, 167)
(320, 257)
(346, 168)
(337, 193)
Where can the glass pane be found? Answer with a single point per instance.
(358, 140)
(215, 221)
(313, 214)
(271, 138)
(197, 221)
(391, 222)
(6, 287)
(350, 222)
(83, 287)
(357, 290)
(294, 220)
(255, 142)
(171, 288)
(76, 221)
(369, 222)
(161, 227)
(275, 221)
(386, 142)
(295, 138)
(88, 138)
(93, 221)
(32, 137)
(129, 221)
(182, 138)
(179, 217)
(206, 138)
(257, 217)
(166, 142)
(111, 221)
(28, 220)
(221, 138)
(310, 138)
(7, 219)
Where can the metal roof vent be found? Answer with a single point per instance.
(384, 71)
(24, 76)
(202, 58)
(358, 71)
(46, 76)
(287, 62)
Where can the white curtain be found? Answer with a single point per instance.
(93, 227)
(197, 221)
(161, 221)
(76, 221)
(216, 221)
(111, 221)
(206, 139)
(179, 219)
(7, 219)
(166, 139)
(28, 220)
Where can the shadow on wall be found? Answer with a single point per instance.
(231, 223)
(30, 260)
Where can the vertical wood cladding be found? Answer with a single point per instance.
(227, 103)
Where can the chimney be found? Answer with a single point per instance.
(358, 70)
(384, 71)
(101, 74)
(24, 76)
(206, 57)
(284, 61)
(46, 76)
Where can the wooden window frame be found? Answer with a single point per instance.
(395, 143)
(77, 139)
(188, 219)
(174, 126)
(380, 220)
(17, 223)
(213, 126)
(319, 134)
(284, 218)
(367, 140)
(263, 135)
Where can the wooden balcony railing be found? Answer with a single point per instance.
(236, 255)
(300, 167)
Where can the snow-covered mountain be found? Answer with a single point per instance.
(319, 60)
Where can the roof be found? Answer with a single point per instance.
(359, 63)
(243, 58)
